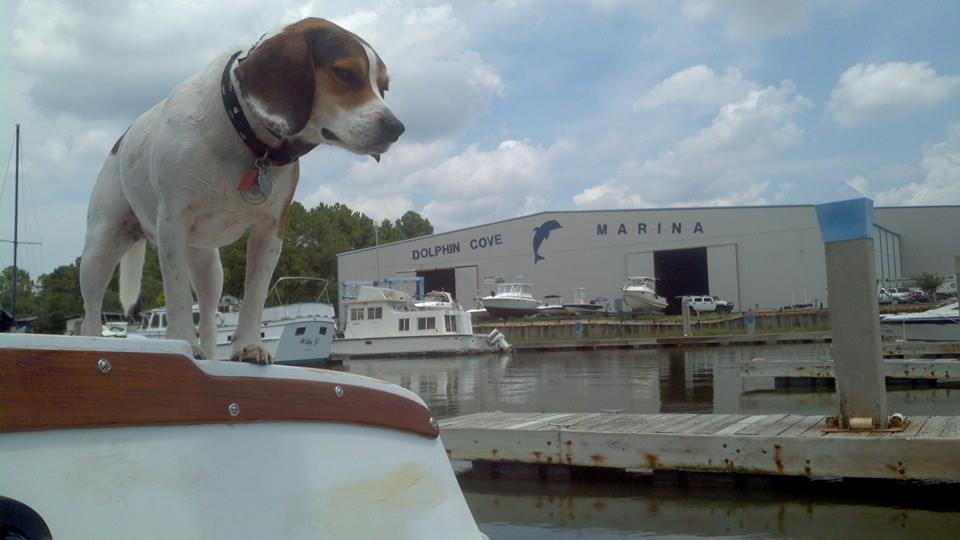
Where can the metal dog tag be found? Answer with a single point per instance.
(264, 180)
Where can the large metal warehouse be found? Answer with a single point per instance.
(757, 257)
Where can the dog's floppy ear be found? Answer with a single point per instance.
(278, 76)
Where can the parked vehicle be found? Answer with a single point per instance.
(884, 296)
(707, 304)
(900, 295)
(723, 306)
(918, 295)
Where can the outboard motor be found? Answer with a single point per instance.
(496, 341)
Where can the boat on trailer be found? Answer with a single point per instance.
(117, 439)
(511, 300)
(640, 294)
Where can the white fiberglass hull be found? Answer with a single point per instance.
(304, 339)
(582, 309)
(289, 342)
(938, 324)
(924, 331)
(502, 307)
(222, 479)
(643, 301)
(411, 345)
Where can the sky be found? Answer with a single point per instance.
(519, 106)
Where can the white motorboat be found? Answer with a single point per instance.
(292, 333)
(118, 439)
(300, 333)
(552, 306)
(437, 299)
(939, 324)
(639, 294)
(387, 322)
(511, 300)
(580, 305)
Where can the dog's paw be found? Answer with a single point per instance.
(197, 352)
(253, 354)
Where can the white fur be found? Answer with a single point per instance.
(175, 177)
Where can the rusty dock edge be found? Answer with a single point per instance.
(779, 444)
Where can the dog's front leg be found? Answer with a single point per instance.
(173, 248)
(263, 250)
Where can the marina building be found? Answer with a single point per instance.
(762, 257)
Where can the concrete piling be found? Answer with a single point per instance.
(847, 229)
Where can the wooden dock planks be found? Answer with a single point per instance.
(777, 444)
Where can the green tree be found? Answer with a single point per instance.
(413, 225)
(59, 298)
(928, 283)
(312, 239)
(26, 299)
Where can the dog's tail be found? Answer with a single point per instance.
(131, 274)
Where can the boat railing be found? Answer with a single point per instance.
(323, 296)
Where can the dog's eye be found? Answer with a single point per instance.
(346, 76)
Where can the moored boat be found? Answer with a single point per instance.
(388, 322)
(939, 324)
(98, 434)
(292, 333)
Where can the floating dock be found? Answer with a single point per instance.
(939, 369)
(928, 448)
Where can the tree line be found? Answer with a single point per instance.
(311, 242)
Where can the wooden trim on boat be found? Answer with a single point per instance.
(59, 389)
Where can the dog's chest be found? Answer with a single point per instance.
(221, 223)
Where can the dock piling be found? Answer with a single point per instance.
(847, 229)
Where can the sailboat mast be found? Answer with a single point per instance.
(16, 219)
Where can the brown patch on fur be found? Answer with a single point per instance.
(286, 204)
(279, 75)
(296, 70)
(130, 227)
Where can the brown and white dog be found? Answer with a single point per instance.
(219, 156)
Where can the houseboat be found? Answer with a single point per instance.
(388, 322)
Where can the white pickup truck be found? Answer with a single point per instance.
(707, 304)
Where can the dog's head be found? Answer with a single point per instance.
(318, 83)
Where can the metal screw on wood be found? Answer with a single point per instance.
(338, 390)
(234, 409)
(103, 365)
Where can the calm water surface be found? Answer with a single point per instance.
(701, 381)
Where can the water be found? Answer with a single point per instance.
(671, 381)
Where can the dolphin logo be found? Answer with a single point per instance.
(540, 234)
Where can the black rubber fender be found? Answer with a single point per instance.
(20, 522)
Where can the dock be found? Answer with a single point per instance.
(927, 448)
(938, 369)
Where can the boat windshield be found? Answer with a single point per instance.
(514, 288)
(640, 282)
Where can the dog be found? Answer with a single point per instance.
(219, 156)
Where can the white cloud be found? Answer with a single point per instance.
(868, 92)
(759, 19)
(698, 85)
(941, 163)
(460, 188)
(720, 165)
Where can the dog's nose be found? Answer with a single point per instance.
(391, 127)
